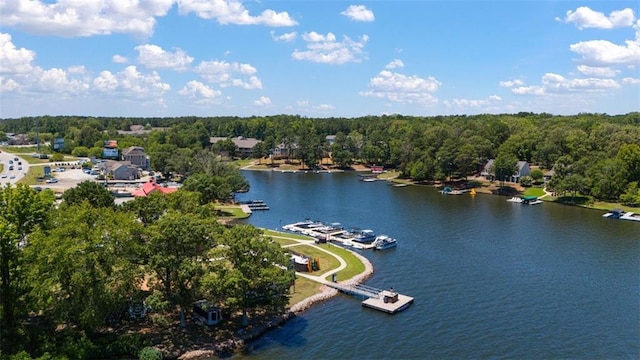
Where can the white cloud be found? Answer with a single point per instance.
(119, 59)
(56, 80)
(229, 74)
(584, 17)
(130, 83)
(631, 81)
(325, 49)
(233, 12)
(528, 90)
(83, 18)
(603, 52)
(359, 13)
(597, 71)
(324, 107)
(396, 63)
(315, 37)
(154, 57)
(21, 75)
(13, 60)
(287, 37)
(472, 103)
(511, 83)
(403, 89)
(262, 101)
(555, 83)
(200, 93)
(8, 85)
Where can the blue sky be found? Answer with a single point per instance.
(156, 58)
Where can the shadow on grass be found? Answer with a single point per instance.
(574, 200)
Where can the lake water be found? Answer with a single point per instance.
(491, 279)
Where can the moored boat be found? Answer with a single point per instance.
(622, 215)
(365, 236)
(383, 242)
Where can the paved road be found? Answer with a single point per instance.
(12, 176)
(66, 180)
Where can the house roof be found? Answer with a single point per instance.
(240, 141)
(112, 165)
(152, 186)
(488, 165)
(134, 150)
(522, 164)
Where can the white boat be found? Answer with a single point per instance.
(515, 199)
(622, 215)
(383, 242)
(365, 236)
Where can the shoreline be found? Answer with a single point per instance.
(240, 343)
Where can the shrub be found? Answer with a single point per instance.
(526, 181)
(150, 353)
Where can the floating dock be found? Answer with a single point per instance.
(328, 233)
(388, 301)
(255, 205)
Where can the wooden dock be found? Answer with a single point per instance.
(387, 301)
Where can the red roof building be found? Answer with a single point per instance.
(152, 186)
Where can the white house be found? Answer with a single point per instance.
(523, 169)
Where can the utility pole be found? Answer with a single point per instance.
(37, 135)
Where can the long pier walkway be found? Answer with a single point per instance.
(387, 301)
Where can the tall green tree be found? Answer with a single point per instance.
(178, 246)
(251, 271)
(504, 166)
(94, 193)
(22, 211)
(81, 268)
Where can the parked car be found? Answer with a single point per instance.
(51, 181)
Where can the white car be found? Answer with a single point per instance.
(4, 176)
(51, 181)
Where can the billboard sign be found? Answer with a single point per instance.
(108, 153)
(58, 144)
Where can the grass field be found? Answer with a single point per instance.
(31, 178)
(231, 211)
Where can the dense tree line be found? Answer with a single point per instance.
(68, 270)
(591, 154)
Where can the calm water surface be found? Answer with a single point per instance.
(491, 279)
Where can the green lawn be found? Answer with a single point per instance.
(31, 178)
(534, 191)
(327, 261)
(354, 265)
(303, 289)
(231, 211)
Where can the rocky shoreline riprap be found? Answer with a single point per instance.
(214, 351)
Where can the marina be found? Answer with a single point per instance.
(336, 233)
